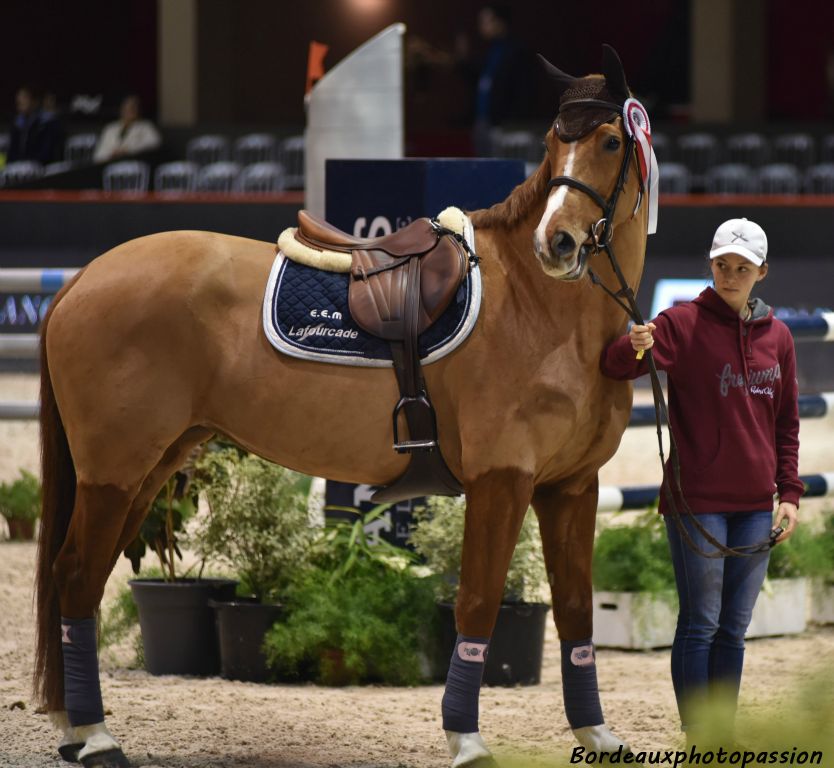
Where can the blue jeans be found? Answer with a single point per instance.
(716, 603)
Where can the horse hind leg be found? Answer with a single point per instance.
(80, 571)
(93, 744)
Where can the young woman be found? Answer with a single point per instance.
(733, 408)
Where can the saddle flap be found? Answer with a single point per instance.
(378, 302)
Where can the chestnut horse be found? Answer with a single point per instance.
(157, 345)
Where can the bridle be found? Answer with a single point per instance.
(601, 233)
(599, 239)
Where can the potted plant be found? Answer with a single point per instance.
(257, 525)
(635, 603)
(176, 620)
(517, 643)
(358, 615)
(781, 607)
(20, 504)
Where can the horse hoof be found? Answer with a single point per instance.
(70, 751)
(110, 758)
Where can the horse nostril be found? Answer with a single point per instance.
(562, 244)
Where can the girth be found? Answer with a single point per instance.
(400, 284)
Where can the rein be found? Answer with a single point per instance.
(600, 237)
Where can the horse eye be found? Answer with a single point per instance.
(613, 144)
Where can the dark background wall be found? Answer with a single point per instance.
(800, 60)
(87, 47)
(258, 49)
(253, 54)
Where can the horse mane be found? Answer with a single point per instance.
(520, 202)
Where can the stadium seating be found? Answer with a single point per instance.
(126, 176)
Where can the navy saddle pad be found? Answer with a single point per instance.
(306, 315)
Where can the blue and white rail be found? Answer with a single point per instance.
(18, 410)
(810, 407)
(18, 346)
(24, 346)
(615, 499)
(813, 327)
(35, 280)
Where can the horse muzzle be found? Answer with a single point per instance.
(563, 258)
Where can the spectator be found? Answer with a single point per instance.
(501, 80)
(35, 134)
(128, 135)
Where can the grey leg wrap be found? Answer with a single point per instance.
(579, 683)
(463, 684)
(82, 690)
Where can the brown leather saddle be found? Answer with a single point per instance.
(400, 284)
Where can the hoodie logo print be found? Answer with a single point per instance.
(760, 382)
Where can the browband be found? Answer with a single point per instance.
(618, 108)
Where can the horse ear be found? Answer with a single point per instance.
(562, 79)
(614, 73)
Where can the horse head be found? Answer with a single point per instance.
(595, 185)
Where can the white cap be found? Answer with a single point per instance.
(746, 238)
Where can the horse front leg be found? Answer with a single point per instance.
(567, 517)
(495, 507)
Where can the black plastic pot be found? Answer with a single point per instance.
(241, 626)
(515, 650)
(178, 633)
(21, 529)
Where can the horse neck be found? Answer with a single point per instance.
(505, 240)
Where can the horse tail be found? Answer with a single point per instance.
(58, 489)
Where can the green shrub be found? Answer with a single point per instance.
(363, 627)
(357, 617)
(438, 538)
(634, 557)
(257, 522)
(21, 499)
(120, 616)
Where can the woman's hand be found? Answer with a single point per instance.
(786, 512)
(641, 336)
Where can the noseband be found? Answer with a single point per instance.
(600, 236)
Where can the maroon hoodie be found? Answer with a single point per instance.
(732, 402)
